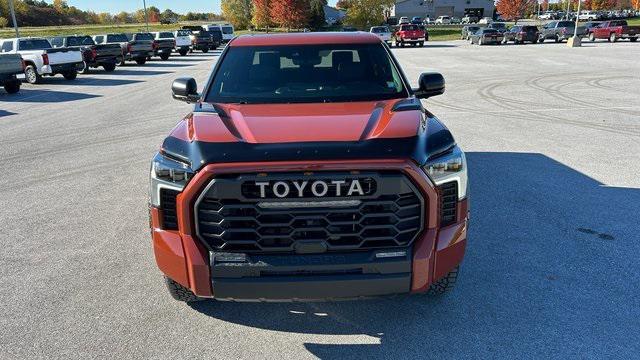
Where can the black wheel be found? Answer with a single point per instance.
(613, 37)
(556, 39)
(12, 87)
(165, 57)
(445, 284)
(71, 75)
(85, 68)
(180, 292)
(401, 43)
(633, 39)
(592, 37)
(541, 40)
(183, 52)
(205, 50)
(109, 67)
(420, 44)
(141, 61)
(32, 75)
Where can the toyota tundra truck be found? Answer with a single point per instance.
(93, 55)
(308, 170)
(41, 59)
(411, 34)
(615, 30)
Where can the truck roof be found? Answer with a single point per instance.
(306, 39)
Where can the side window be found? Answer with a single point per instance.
(99, 39)
(7, 46)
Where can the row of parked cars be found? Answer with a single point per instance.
(31, 58)
(590, 15)
(558, 31)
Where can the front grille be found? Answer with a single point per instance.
(448, 203)
(168, 206)
(392, 216)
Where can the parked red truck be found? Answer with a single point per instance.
(412, 34)
(615, 30)
(308, 170)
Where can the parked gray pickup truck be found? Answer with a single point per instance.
(10, 66)
(559, 31)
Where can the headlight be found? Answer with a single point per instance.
(167, 173)
(451, 166)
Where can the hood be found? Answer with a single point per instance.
(291, 123)
(305, 132)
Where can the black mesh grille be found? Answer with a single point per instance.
(380, 220)
(168, 206)
(448, 203)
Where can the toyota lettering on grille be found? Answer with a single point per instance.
(319, 188)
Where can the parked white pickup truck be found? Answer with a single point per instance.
(183, 41)
(10, 66)
(41, 59)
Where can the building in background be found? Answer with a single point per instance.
(434, 8)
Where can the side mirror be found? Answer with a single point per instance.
(185, 89)
(430, 84)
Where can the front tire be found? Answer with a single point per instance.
(205, 50)
(12, 87)
(71, 75)
(179, 292)
(141, 61)
(633, 39)
(445, 284)
(183, 52)
(164, 57)
(613, 37)
(31, 74)
(592, 37)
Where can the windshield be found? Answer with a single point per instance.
(80, 40)
(34, 44)
(165, 35)
(379, 29)
(306, 74)
(227, 30)
(409, 27)
(117, 38)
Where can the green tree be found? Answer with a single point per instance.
(366, 13)
(3, 22)
(237, 12)
(316, 14)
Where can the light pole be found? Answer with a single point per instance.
(146, 17)
(13, 17)
(575, 31)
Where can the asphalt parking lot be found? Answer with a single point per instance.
(551, 271)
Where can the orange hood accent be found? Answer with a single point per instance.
(282, 123)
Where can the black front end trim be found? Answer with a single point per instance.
(249, 277)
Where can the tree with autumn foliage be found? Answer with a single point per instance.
(514, 9)
(290, 14)
(261, 17)
(635, 4)
(237, 12)
(366, 13)
(545, 5)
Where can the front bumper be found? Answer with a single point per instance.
(183, 258)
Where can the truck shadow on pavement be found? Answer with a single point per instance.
(5, 113)
(551, 269)
(97, 81)
(46, 96)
